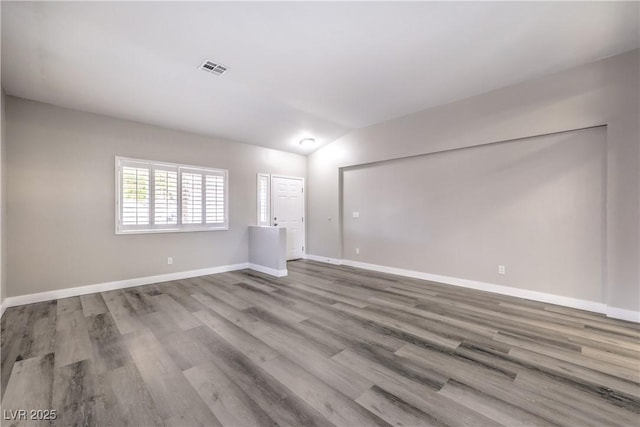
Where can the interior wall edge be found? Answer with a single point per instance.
(3, 195)
(468, 147)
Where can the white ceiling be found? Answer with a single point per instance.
(295, 69)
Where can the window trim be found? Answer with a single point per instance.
(168, 228)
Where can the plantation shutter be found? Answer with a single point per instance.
(154, 197)
(263, 199)
(135, 195)
(215, 198)
(165, 187)
(191, 197)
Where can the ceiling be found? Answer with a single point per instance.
(295, 69)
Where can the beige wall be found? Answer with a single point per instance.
(60, 198)
(604, 92)
(534, 205)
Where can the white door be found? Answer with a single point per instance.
(288, 212)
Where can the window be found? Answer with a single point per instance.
(163, 197)
(264, 199)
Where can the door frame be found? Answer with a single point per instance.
(304, 206)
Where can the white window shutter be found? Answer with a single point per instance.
(153, 197)
(166, 196)
(215, 199)
(263, 199)
(135, 194)
(191, 197)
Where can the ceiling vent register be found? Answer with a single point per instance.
(213, 68)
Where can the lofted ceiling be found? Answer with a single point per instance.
(307, 69)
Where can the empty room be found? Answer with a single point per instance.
(320, 214)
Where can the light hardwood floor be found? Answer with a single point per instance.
(326, 345)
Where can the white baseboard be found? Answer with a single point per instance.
(483, 286)
(597, 307)
(118, 284)
(269, 271)
(613, 312)
(623, 314)
(324, 259)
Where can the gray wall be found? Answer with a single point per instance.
(3, 234)
(534, 205)
(60, 198)
(268, 247)
(604, 92)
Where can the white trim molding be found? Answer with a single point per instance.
(118, 284)
(623, 314)
(613, 312)
(324, 259)
(483, 286)
(269, 271)
(128, 283)
(597, 307)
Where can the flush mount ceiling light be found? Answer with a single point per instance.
(307, 142)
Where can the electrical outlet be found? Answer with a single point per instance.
(357, 250)
(356, 214)
(169, 260)
(502, 269)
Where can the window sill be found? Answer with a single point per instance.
(171, 230)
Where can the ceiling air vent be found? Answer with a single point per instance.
(213, 68)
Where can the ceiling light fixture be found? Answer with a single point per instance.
(307, 142)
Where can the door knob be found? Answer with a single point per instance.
(275, 224)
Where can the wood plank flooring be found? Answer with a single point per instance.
(327, 345)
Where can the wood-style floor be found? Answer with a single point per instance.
(325, 346)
